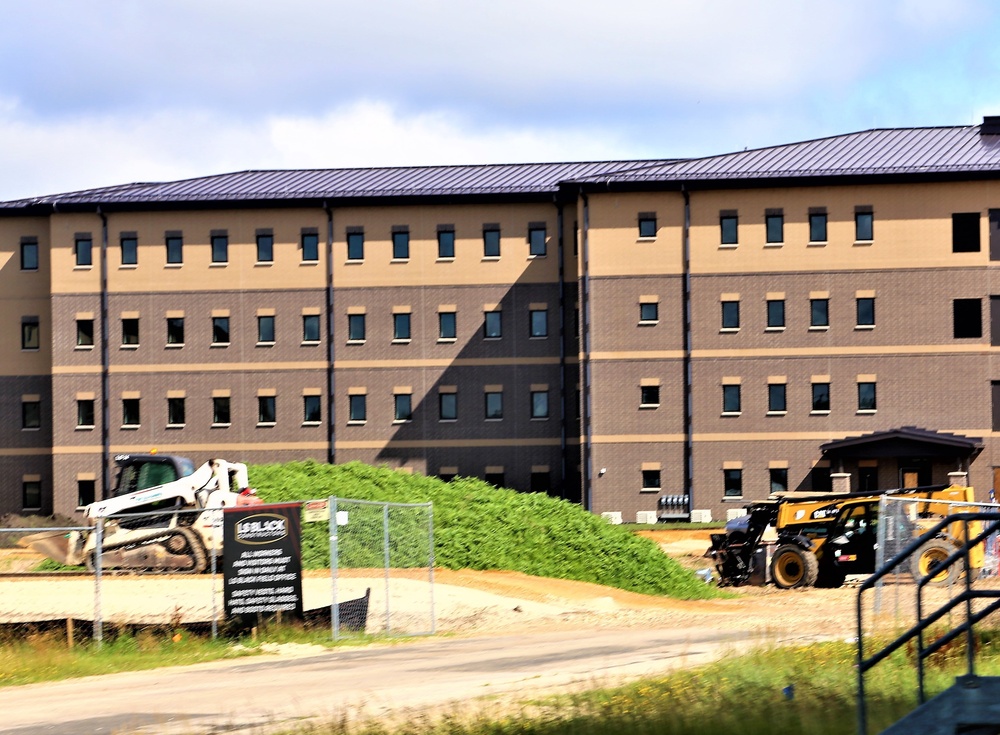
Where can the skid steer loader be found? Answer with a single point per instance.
(820, 538)
(157, 538)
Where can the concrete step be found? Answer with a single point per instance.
(970, 707)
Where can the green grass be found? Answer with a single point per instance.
(478, 526)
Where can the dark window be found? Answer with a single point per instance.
(819, 312)
(539, 404)
(355, 246)
(820, 396)
(220, 330)
(732, 483)
(84, 248)
(649, 395)
(130, 412)
(310, 246)
(446, 243)
(356, 327)
(31, 495)
(649, 312)
(774, 225)
(85, 492)
(312, 409)
(492, 325)
(130, 331)
(995, 395)
(866, 397)
(403, 408)
(30, 333)
(31, 415)
(539, 322)
(175, 412)
(776, 397)
(175, 330)
(540, 482)
(85, 413)
(84, 332)
(994, 236)
(175, 249)
(220, 410)
(647, 224)
(494, 405)
(731, 399)
(358, 408)
(779, 479)
(821, 480)
(494, 478)
(730, 314)
(866, 312)
(965, 232)
(29, 255)
(536, 241)
(447, 406)
(775, 313)
(864, 229)
(817, 227)
(130, 250)
(967, 318)
(265, 247)
(491, 242)
(401, 326)
(651, 480)
(995, 321)
(310, 328)
(729, 229)
(265, 329)
(447, 327)
(220, 248)
(401, 245)
(266, 410)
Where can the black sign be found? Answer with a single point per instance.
(262, 560)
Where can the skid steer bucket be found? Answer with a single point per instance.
(54, 544)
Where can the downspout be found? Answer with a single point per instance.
(105, 365)
(562, 351)
(686, 326)
(331, 452)
(587, 460)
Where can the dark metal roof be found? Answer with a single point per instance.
(898, 441)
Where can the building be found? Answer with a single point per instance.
(703, 330)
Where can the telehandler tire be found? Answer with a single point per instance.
(930, 556)
(792, 566)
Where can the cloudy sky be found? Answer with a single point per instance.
(115, 91)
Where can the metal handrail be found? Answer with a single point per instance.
(991, 522)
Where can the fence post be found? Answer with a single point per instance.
(98, 564)
(212, 552)
(430, 557)
(385, 554)
(334, 563)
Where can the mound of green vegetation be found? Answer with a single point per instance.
(477, 526)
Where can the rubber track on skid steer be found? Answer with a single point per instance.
(198, 554)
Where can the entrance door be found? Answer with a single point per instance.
(868, 479)
(914, 472)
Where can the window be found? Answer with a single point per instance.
(400, 327)
(649, 313)
(129, 249)
(866, 397)
(83, 248)
(265, 329)
(494, 405)
(30, 333)
(447, 406)
(130, 412)
(447, 327)
(491, 241)
(647, 224)
(312, 409)
(866, 311)
(774, 226)
(779, 479)
(730, 314)
(776, 314)
(649, 395)
(864, 226)
(85, 414)
(495, 479)
(31, 495)
(446, 241)
(175, 330)
(356, 327)
(492, 325)
(31, 414)
(967, 318)
(310, 328)
(728, 229)
(651, 480)
(732, 483)
(821, 480)
(400, 244)
(355, 244)
(821, 397)
(85, 492)
(220, 330)
(84, 332)
(265, 410)
(817, 227)
(220, 411)
(540, 481)
(776, 398)
(175, 249)
(819, 312)
(539, 322)
(265, 247)
(175, 412)
(310, 246)
(220, 248)
(358, 408)
(539, 404)
(536, 240)
(965, 232)
(731, 399)
(130, 331)
(29, 254)
(402, 407)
